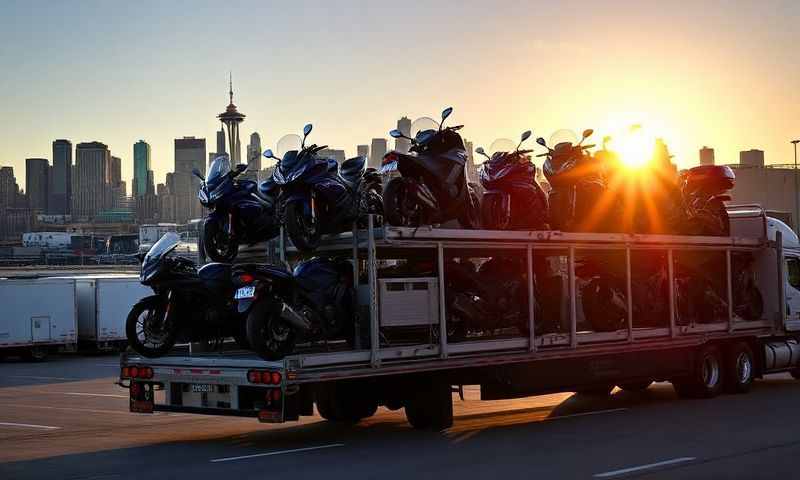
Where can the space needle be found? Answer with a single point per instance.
(231, 117)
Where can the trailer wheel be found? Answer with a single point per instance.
(596, 391)
(639, 386)
(431, 408)
(344, 403)
(36, 354)
(739, 368)
(706, 378)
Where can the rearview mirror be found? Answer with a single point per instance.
(268, 154)
(541, 142)
(587, 133)
(525, 135)
(197, 174)
(445, 113)
(396, 133)
(481, 151)
(307, 129)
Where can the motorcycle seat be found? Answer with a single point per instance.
(268, 189)
(262, 268)
(352, 170)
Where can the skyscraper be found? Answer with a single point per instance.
(377, 151)
(190, 153)
(752, 158)
(254, 156)
(119, 189)
(221, 141)
(363, 151)
(706, 156)
(36, 179)
(60, 182)
(333, 153)
(91, 188)
(231, 118)
(401, 144)
(141, 167)
(9, 190)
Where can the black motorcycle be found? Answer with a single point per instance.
(512, 200)
(189, 303)
(576, 181)
(433, 187)
(240, 211)
(314, 302)
(704, 191)
(317, 196)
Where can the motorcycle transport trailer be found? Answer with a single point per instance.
(706, 313)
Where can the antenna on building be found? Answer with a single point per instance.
(230, 85)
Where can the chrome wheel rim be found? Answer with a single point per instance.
(744, 367)
(710, 371)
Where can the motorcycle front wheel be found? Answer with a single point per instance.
(148, 330)
(470, 217)
(217, 243)
(395, 203)
(303, 228)
(271, 337)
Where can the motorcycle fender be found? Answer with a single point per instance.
(244, 305)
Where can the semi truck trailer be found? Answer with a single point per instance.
(709, 314)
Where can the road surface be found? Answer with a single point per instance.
(66, 419)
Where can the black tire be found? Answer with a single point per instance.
(639, 386)
(271, 337)
(739, 368)
(147, 318)
(431, 407)
(707, 377)
(303, 230)
(489, 216)
(345, 403)
(36, 354)
(217, 244)
(394, 204)
(470, 218)
(596, 391)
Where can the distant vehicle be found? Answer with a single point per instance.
(122, 244)
(87, 244)
(103, 305)
(47, 240)
(150, 233)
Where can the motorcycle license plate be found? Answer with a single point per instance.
(245, 292)
(389, 167)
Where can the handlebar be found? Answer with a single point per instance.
(585, 147)
(543, 155)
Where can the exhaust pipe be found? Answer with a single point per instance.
(295, 319)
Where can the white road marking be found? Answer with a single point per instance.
(94, 394)
(28, 425)
(624, 471)
(598, 412)
(279, 452)
(118, 412)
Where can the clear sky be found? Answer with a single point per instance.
(723, 74)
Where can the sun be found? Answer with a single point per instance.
(634, 146)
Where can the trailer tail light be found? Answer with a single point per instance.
(142, 373)
(276, 395)
(264, 377)
(134, 372)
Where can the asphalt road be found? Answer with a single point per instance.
(65, 419)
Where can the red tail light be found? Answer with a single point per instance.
(265, 378)
(134, 371)
(253, 376)
(276, 378)
(246, 278)
(276, 395)
(126, 372)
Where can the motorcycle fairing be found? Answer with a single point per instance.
(352, 170)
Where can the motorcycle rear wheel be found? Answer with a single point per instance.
(304, 230)
(218, 245)
(140, 321)
(271, 337)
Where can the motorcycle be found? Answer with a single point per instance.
(576, 181)
(704, 191)
(317, 196)
(512, 200)
(314, 302)
(433, 186)
(240, 211)
(190, 303)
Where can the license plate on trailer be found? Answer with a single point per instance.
(389, 167)
(202, 388)
(245, 292)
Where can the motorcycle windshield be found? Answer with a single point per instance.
(162, 247)
(292, 165)
(217, 172)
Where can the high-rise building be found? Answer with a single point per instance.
(119, 189)
(221, 141)
(190, 153)
(333, 153)
(9, 190)
(363, 151)
(36, 179)
(706, 156)
(231, 118)
(254, 156)
(472, 169)
(141, 168)
(91, 187)
(752, 158)
(377, 151)
(403, 144)
(60, 182)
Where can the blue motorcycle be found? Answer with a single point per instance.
(318, 197)
(240, 211)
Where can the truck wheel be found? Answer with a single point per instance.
(36, 354)
(432, 407)
(598, 391)
(706, 378)
(338, 403)
(639, 386)
(739, 368)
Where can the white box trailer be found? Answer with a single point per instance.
(39, 315)
(103, 305)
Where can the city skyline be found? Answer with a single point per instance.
(687, 72)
